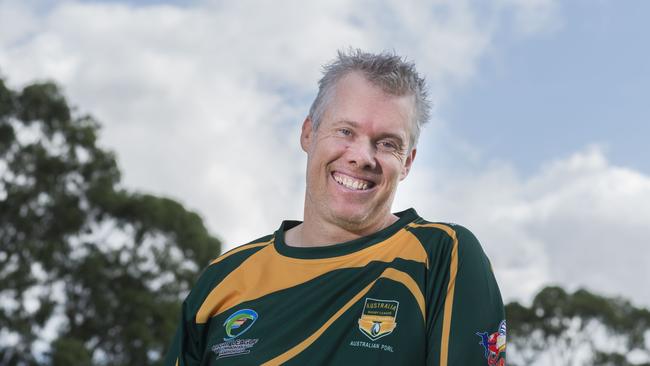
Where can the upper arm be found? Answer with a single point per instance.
(468, 325)
(185, 349)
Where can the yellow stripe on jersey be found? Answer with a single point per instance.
(268, 271)
(451, 286)
(239, 249)
(389, 273)
(408, 281)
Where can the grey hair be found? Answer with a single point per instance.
(388, 71)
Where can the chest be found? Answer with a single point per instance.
(350, 315)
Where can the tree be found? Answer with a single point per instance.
(89, 272)
(582, 328)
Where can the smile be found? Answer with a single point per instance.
(352, 183)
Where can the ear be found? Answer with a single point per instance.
(407, 164)
(306, 135)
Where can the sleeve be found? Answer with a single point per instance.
(467, 319)
(184, 350)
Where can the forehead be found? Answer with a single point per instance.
(357, 100)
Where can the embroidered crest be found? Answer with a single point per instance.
(378, 318)
(236, 324)
(494, 344)
(239, 322)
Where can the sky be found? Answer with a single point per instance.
(536, 143)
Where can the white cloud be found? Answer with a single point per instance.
(579, 221)
(198, 100)
(204, 104)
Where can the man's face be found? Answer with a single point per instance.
(358, 154)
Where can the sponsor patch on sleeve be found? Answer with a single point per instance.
(494, 345)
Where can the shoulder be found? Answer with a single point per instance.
(449, 241)
(243, 251)
(221, 266)
(459, 252)
(432, 233)
(231, 259)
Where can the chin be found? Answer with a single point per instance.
(351, 218)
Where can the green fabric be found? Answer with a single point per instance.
(268, 326)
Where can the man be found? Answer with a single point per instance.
(352, 284)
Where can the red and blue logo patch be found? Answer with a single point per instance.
(494, 345)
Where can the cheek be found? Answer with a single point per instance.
(392, 166)
(316, 168)
(328, 150)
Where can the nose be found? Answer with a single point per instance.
(361, 154)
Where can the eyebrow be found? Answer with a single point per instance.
(346, 122)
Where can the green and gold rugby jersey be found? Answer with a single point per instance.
(413, 293)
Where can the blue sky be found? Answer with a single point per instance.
(586, 82)
(537, 141)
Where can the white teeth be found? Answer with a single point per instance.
(350, 183)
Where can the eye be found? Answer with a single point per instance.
(388, 145)
(344, 131)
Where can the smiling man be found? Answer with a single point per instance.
(357, 152)
(353, 283)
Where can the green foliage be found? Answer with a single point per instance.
(101, 268)
(70, 351)
(558, 322)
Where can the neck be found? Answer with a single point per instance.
(314, 232)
